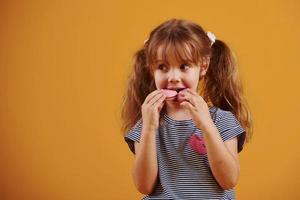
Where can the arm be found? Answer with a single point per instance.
(145, 167)
(222, 157)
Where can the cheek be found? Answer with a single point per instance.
(192, 81)
(159, 81)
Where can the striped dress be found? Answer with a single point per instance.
(183, 169)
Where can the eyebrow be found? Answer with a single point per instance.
(187, 60)
(160, 61)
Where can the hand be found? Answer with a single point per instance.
(151, 108)
(198, 108)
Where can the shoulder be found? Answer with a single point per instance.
(135, 130)
(219, 114)
(222, 117)
(137, 126)
(229, 126)
(133, 135)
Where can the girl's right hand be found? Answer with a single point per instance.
(151, 108)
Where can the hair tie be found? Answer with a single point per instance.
(146, 40)
(211, 37)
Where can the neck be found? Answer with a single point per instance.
(175, 111)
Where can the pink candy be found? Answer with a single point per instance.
(169, 93)
(172, 95)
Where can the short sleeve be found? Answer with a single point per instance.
(229, 127)
(134, 135)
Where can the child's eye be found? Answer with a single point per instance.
(184, 66)
(162, 67)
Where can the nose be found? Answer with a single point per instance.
(174, 75)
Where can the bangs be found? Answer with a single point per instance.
(174, 51)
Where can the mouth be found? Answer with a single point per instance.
(176, 89)
(173, 93)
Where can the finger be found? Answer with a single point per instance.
(192, 91)
(161, 106)
(187, 105)
(192, 95)
(196, 96)
(189, 91)
(189, 97)
(159, 102)
(156, 98)
(152, 95)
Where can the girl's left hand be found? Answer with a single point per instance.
(198, 108)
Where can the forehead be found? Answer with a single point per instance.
(172, 50)
(172, 53)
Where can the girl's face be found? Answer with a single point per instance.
(173, 75)
(176, 75)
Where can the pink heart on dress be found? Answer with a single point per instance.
(197, 144)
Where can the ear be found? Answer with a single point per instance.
(204, 66)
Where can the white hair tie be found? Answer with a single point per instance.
(211, 37)
(146, 40)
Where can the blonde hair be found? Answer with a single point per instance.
(186, 42)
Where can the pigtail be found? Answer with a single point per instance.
(222, 86)
(138, 88)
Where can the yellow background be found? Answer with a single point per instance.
(63, 68)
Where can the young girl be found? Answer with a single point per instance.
(185, 118)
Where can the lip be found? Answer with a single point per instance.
(177, 89)
(177, 97)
